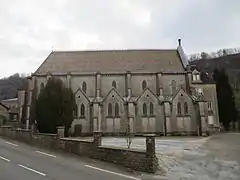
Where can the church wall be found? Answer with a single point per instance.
(63, 79)
(106, 84)
(39, 80)
(112, 122)
(149, 123)
(167, 79)
(83, 120)
(136, 82)
(76, 82)
(183, 122)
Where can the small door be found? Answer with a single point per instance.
(77, 130)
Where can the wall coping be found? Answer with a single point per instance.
(22, 130)
(123, 149)
(76, 140)
(45, 134)
(5, 126)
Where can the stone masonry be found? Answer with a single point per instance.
(150, 91)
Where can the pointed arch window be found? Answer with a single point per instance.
(173, 86)
(75, 111)
(144, 85)
(42, 86)
(185, 108)
(151, 108)
(116, 110)
(209, 105)
(82, 110)
(114, 85)
(179, 110)
(84, 87)
(109, 109)
(144, 109)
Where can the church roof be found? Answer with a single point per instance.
(112, 61)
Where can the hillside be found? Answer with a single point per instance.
(10, 85)
(231, 64)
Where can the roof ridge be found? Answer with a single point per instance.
(111, 50)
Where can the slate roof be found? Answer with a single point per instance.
(112, 61)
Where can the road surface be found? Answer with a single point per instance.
(20, 161)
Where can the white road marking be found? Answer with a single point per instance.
(27, 168)
(118, 174)
(10, 143)
(46, 154)
(5, 159)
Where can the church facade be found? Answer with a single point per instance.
(144, 91)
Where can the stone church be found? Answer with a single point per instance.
(145, 91)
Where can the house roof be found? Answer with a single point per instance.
(4, 106)
(9, 100)
(108, 61)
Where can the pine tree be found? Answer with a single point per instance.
(54, 107)
(226, 102)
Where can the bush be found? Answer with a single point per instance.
(54, 107)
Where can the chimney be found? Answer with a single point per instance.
(179, 42)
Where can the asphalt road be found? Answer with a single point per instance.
(20, 161)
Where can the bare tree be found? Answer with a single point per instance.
(204, 55)
(128, 136)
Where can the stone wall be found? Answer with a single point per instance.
(145, 161)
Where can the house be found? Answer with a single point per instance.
(4, 116)
(12, 105)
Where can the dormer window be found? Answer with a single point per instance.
(196, 75)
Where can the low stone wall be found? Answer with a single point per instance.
(134, 159)
(145, 161)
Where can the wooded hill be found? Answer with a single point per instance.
(10, 85)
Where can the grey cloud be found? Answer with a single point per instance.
(29, 29)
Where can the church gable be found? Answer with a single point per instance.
(81, 97)
(147, 96)
(181, 95)
(113, 96)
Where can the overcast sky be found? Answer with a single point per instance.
(30, 29)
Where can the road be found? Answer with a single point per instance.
(20, 161)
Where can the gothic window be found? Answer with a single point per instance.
(114, 85)
(185, 108)
(84, 87)
(144, 109)
(151, 108)
(173, 86)
(144, 85)
(209, 105)
(116, 110)
(179, 111)
(75, 111)
(42, 86)
(82, 112)
(109, 109)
